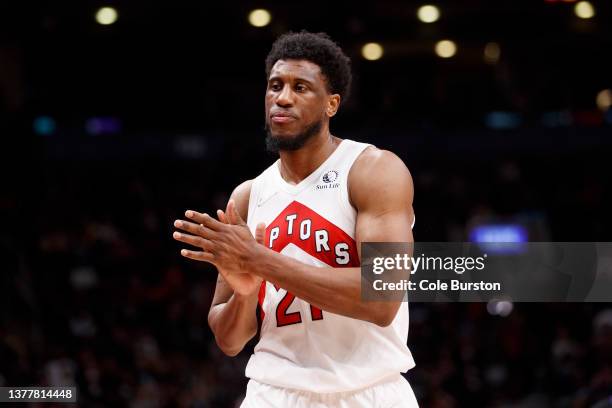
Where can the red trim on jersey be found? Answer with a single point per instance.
(334, 235)
(260, 301)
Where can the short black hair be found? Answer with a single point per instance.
(319, 49)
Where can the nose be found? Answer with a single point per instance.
(285, 97)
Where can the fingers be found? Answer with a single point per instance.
(193, 240)
(233, 214)
(222, 217)
(227, 210)
(195, 229)
(198, 255)
(204, 219)
(260, 233)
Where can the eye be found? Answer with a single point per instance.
(300, 88)
(275, 86)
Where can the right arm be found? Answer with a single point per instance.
(232, 315)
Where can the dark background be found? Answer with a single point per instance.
(108, 133)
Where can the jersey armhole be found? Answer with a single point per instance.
(345, 198)
(253, 197)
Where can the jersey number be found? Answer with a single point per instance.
(284, 319)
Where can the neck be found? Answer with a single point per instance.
(296, 165)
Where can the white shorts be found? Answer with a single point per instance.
(395, 393)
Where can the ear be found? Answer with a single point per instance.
(333, 103)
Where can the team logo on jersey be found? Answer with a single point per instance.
(302, 227)
(328, 180)
(299, 225)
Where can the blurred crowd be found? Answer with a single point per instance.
(96, 294)
(93, 291)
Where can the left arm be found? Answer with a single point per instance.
(380, 188)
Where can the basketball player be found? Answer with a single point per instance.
(293, 267)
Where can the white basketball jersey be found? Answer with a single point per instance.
(301, 346)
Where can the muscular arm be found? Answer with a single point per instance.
(380, 188)
(232, 315)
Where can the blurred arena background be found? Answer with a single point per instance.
(117, 116)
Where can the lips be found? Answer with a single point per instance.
(282, 117)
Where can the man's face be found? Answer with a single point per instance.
(296, 103)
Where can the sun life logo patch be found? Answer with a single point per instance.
(330, 176)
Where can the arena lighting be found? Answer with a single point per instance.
(556, 119)
(191, 146)
(492, 52)
(106, 15)
(428, 13)
(260, 18)
(498, 233)
(503, 120)
(103, 125)
(500, 239)
(498, 307)
(372, 51)
(604, 99)
(44, 125)
(446, 49)
(584, 9)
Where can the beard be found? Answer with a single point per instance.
(274, 144)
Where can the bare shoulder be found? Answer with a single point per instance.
(241, 195)
(379, 161)
(379, 175)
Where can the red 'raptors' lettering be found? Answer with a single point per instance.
(315, 235)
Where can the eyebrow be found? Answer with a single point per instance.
(300, 79)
